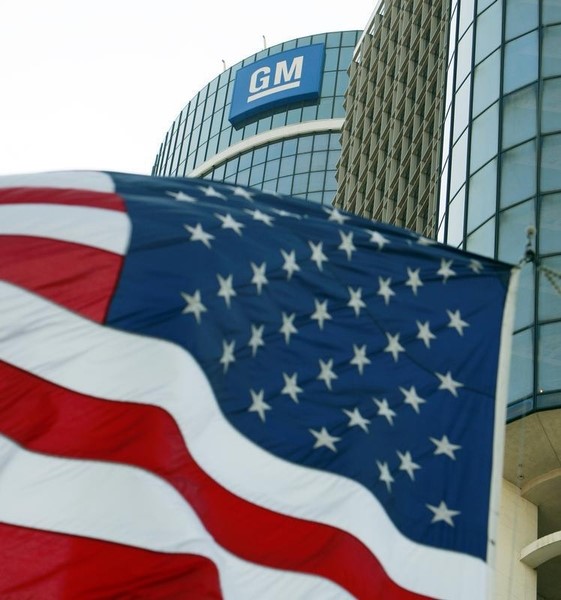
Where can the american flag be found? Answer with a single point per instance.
(208, 391)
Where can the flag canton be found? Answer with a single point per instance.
(330, 341)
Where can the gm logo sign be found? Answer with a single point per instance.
(284, 78)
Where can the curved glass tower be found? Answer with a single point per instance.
(501, 173)
(502, 167)
(283, 135)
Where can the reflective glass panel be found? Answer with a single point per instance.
(549, 357)
(486, 82)
(551, 107)
(455, 232)
(551, 163)
(549, 304)
(302, 163)
(520, 116)
(550, 224)
(319, 160)
(524, 314)
(518, 177)
(513, 224)
(521, 62)
(551, 52)
(466, 15)
(484, 137)
(482, 240)
(521, 17)
(461, 114)
(483, 4)
(463, 66)
(551, 11)
(458, 168)
(482, 195)
(521, 366)
(489, 26)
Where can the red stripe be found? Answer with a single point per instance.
(78, 277)
(49, 419)
(70, 197)
(48, 566)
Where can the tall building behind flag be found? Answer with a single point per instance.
(272, 121)
(453, 128)
(391, 137)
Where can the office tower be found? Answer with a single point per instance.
(272, 121)
(465, 96)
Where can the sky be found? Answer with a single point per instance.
(95, 84)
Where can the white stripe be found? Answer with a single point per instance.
(72, 352)
(273, 90)
(501, 399)
(94, 181)
(130, 506)
(98, 227)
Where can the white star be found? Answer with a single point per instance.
(356, 419)
(182, 197)
(336, 216)
(258, 405)
(289, 265)
(194, 305)
(259, 278)
(475, 266)
(378, 239)
(211, 192)
(288, 327)
(394, 347)
(443, 513)
(384, 289)
(320, 314)
(198, 234)
(256, 339)
(445, 270)
(360, 359)
(347, 244)
(445, 446)
(456, 321)
(407, 464)
(326, 372)
(226, 290)
(227, 354)
(228, 222)
(414, 280)
(355, 302)
(261, 216)
(425, 333)
(285, 213)
(384, 409)
(243, 193)
(425, 241)
(324, 439)
(385, 474)
(447, 383)
(317, 254)
(291, 387)
(412, 398)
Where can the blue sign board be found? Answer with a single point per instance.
(284, 78)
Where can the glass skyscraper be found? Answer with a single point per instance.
(291, 148)
(477, 83)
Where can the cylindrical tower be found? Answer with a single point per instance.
(501, 173)
(272, 121)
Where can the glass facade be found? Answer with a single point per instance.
(201, 140)
(501, 168)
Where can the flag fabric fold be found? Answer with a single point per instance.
(208, 391)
